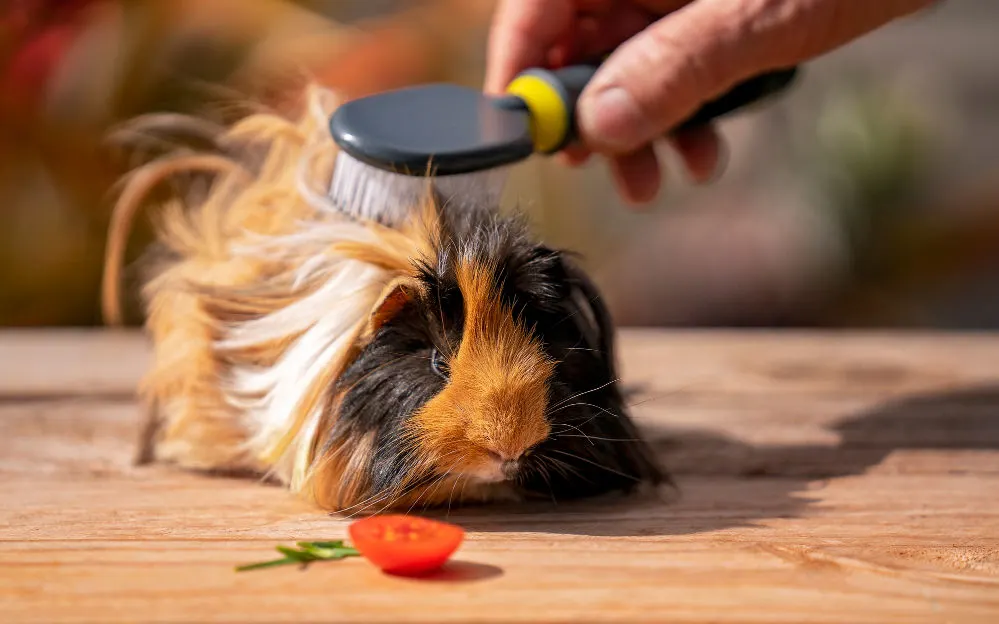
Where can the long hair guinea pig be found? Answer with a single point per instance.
(449, 359)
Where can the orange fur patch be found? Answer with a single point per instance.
(398, 248)
(495, 402)
(200, 430)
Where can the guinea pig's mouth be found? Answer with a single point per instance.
(496, 471)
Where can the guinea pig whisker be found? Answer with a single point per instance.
(410, 438)
(588, 417)
(436, 483)
(602, 410)
(567, 435)
(441, 481)
(547, 478)
(377, 497)
(612, 381)
(566, 318)
(451, 495)
(593, 463)
(390, 502)
(367, 502)
(564, 469)
(391, 493)
(440, 458)
(461, 493)
(559, 409)
(422, 494)
(394, 494)
(663, 395)
(543, 470)
(577, 429)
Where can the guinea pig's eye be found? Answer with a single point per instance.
(439, 365)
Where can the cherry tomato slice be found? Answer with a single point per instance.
(405, 545)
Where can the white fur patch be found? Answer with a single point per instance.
(271, 397)
(326, 317)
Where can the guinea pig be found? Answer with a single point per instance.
(450, 359)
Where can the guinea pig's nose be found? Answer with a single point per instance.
(510, 468)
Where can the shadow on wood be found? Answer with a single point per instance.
(459, 572)
(772, 481)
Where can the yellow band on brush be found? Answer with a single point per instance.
(549, 119)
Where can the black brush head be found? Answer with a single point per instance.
(438, 129)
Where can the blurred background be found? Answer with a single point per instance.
(868, 197)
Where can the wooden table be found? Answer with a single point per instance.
(824, 478)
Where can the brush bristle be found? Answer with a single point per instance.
(366, 192)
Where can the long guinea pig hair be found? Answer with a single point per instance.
(450, 359)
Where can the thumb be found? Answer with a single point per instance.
(664, 74)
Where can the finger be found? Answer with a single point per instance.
(702, 151)
(662, 75)
(637, 175)
(521, 35)
(604, 30)
(600, 34)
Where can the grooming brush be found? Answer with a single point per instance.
(394, 144)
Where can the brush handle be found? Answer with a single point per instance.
(567, 83)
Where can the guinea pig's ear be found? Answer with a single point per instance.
(593, 319)
(391, 301)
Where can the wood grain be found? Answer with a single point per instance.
(822, 478)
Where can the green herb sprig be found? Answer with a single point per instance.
(306, 553)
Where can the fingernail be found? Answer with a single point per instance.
(613, 120)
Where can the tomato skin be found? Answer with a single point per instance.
(405, 545)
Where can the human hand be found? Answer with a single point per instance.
(671, 57)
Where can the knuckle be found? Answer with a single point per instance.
(673, 73)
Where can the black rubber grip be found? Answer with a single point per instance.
(742, 95)
(573, 79)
